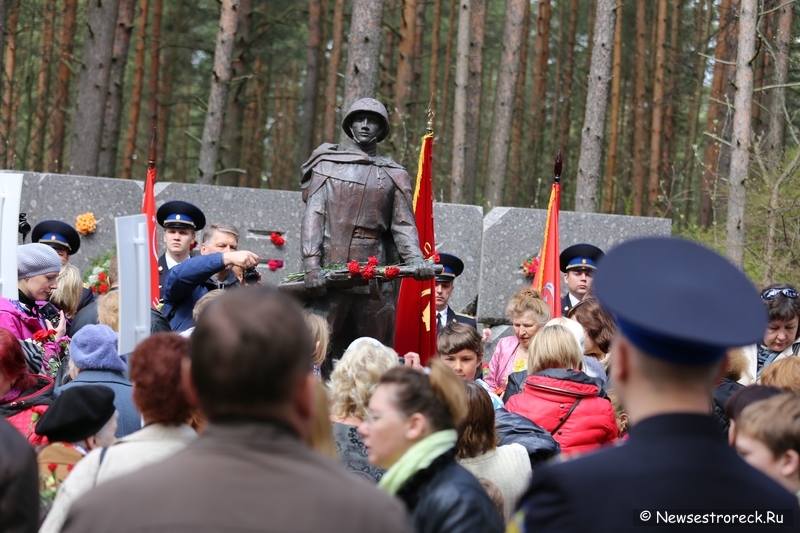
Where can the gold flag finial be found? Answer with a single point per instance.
(431, 113)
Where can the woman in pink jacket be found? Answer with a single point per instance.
(528, 313)
(38, 266)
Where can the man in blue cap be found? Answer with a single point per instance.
(453, 267)
(180, 220)
(670, 351)
(64, 239)
(578, 263)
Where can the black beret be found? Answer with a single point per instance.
(77, 414)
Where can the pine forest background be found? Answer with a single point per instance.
(85, 82)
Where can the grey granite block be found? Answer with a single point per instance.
(459, 231)
(511, 235)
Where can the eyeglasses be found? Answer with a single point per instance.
(769, 294)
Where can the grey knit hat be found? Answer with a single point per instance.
(34, 259)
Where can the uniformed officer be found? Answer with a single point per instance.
(64, 239)
(453, 267)
(669, 352)
(180, 220)
(578, 263)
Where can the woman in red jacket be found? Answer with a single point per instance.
(562, 399)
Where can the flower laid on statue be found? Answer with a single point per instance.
(391, 272)
(86, 224)
(368, 272)
(372, 261)
(277, 239)
(353, 267)
(193, 245)
(274, 264)
(530, 266)
(98, 278)
(436, 258)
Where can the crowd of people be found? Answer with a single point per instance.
(226, 423)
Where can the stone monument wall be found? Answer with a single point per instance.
(491, 247)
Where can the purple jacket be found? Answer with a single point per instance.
(23, 325)
(501, 362)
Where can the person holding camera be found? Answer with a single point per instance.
(38, 266)
(190, 280)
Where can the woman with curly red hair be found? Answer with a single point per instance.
(155, 370)
(24, 397)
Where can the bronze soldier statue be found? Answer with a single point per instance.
(358, 205)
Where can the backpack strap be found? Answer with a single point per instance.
(566, 416)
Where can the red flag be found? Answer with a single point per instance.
(149, 209)
(415, 329)
(548, 277)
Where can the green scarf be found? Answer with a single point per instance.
(418, 457)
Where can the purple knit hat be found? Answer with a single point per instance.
(94, 347)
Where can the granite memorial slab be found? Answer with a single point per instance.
(512, 235)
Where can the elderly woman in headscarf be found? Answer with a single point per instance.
(94, 360)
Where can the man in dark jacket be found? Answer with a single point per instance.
(19, 482)
(190, 280)
(250, 470)
(670, 350)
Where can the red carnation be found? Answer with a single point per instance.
(391, 272)
(103, 288)
(94, 289)
(272, 264)
(436, 258)
(193, 245)
(70, 467)
(368, 272)
(276, 239)
(101, 276)
(353, 267)
(43, 335)
(52, 467)
(372, 261)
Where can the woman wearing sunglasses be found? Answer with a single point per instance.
(781, 338)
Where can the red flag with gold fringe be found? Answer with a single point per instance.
(149, 209)
(415, 328)
(548, 277)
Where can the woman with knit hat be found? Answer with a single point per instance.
(38, 266)
(94, 361)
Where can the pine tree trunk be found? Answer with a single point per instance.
(107, 165)
(593, 130)
(640, 102)
(504, 102)
(254, 154)
(416, 82)
(332, 83)
(220, 80)
(514, 192)
(58, 121)
(312, 77)
(433, 72)
(656, 130)
(136, 92)
(740, 155)
(714, 124)
(9, 89)
(460, 104)
(363, 54)
(690, 151)
(405, 64)
(616, 82)
(232, 136)
(388, 69)
(565, 119)
(774, 141)
(4, 4)
(36, 151)
(540, 67)
(90, 102)
(155, 71)
(667, 153)
(445, 179)
(165, 91)
(477, 16)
